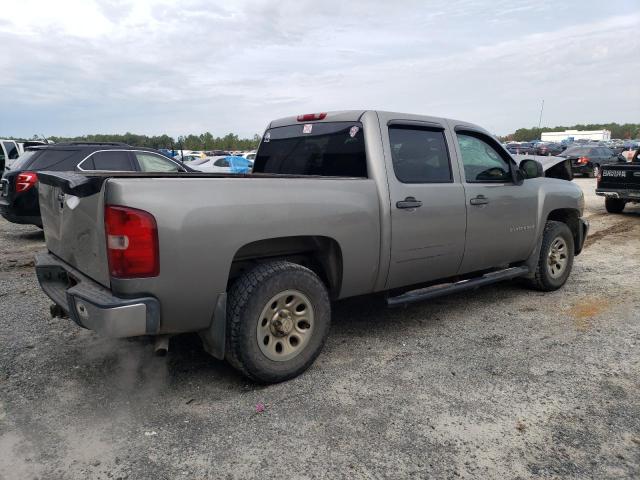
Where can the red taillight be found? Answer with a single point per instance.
(25, 180)
(132, 242)
(583, 160)
(310, 117)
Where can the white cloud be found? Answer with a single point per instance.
(155, 66)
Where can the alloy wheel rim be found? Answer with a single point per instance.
(557, 258)
(285, 325)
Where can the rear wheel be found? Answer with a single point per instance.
(556, 257)
(614, 205)
(278, 316)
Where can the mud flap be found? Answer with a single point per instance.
(215, 337)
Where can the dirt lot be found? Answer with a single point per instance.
(499, 383)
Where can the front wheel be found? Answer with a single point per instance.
(278, 318)
(556, 257)
(614, 205)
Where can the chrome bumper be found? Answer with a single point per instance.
(94, 307)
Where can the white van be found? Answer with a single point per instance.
(9, 151)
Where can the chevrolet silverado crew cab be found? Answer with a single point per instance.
(338, 205)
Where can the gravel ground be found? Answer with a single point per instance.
(502, 382)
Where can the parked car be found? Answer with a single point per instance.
(226, 164)
(587, 160)
(547, 148)
(19, 189)
(339, 204)
(217, 153)
(619, 184)
(191, 158)
(524, 148)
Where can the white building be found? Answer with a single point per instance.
(576, 135)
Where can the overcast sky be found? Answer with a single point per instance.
(73, 67)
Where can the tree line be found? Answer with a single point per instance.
(204, 141)
(624, 131)
(231, 141)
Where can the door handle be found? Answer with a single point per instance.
(409, 202)
(479, 200)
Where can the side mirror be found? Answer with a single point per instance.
(531, 168)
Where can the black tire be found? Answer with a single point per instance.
(614, 205)
(543, 279)
(247, 298)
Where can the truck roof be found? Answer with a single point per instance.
(355, 116)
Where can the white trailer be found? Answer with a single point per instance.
(600, 135)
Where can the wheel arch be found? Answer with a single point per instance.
(321, 254)
(570, 217)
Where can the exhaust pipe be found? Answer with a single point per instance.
(57, 311)
(161, 345)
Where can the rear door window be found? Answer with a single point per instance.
(419, 155)
(150, 162)
(114, 161)
(333, 149)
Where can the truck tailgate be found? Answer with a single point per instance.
(72, 209)
(620, 176)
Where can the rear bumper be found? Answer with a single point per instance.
(582, 169)
(94, 307)
(623, 194)
(8, 213)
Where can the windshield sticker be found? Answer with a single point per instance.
(267, 137)
(307, 128)
(354, 131)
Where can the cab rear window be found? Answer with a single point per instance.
(334, 149)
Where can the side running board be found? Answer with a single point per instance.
(446, 289)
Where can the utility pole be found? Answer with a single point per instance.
(541, 109)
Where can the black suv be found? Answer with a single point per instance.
(18, 187)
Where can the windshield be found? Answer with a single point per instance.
(334, 149)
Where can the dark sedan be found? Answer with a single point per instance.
(586, 160)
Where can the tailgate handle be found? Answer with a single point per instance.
(479, 200)
(61, 199)
(409, 202)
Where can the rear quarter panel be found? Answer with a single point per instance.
(203, 222)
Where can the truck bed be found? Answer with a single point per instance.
(204, 220)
